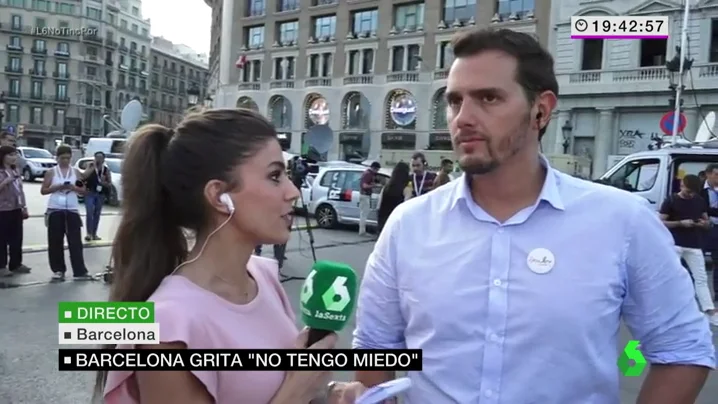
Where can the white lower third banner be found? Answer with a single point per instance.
(109, 333)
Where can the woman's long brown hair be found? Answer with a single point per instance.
(164, 174)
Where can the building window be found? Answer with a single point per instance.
(15, 64)
(414, 57)
(325, 26)
(255, 37)
(397, 59)
(41, 5)
(288, 32)
(653, 52)
(518, 8)
(288, 5)
(63, 47)
(445, 56)
(257, 68)
(409, 16)
(592, 58)
(14, 87)
(314, 65)
(459, 10)
(15, 41)
(36, 115)
(713, 56)
(13, 113)
(327, 65)
(255, 8)
(367, 61)
(58, 119)
(39, 45)
(37, 89)
(61, 91)
(16, 22)
(365, 21)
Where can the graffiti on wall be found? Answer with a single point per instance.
(632, 140)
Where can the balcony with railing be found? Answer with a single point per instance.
(249, 86)
(14, 69)
(402, 77)
(62, 54)
(358, 79)
(14, 48)
(318, 82)
(38, 73)
(38, 51)
(319, 3)
(276, 84)
(111, 44)
(61, 75)
(637, 80)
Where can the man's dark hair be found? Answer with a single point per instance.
(420, 156)
(693, 183)
(446, 162)
(99, 153)
(4, 134)
(534, 71)
(375, 165)
(711, 167)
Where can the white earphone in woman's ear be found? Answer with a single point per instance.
(227, 201)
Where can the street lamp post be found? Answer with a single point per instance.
(566, 129)
(676, 78)
(193, 96)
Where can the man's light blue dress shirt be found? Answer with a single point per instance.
(447, 278)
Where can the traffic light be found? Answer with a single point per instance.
(20, 130)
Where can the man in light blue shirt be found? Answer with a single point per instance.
(514, 279)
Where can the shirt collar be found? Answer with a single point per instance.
(550, 191)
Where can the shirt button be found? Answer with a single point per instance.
(497, 282)
(488, 393)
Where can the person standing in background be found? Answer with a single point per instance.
(366, 186)
(394, 193)
(422, 181)
(447, 167)
(13, 210)
(7, 139)
(685, 215)
(98, 184)
(63, 216)
(710, 244)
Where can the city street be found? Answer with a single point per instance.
(28, 343)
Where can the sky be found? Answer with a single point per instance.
(189, 24)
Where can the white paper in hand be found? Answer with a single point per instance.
(385, 391)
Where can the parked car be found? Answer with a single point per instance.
(35, 162)
(334, 194)
(115, 166)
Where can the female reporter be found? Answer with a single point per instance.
(216, 294)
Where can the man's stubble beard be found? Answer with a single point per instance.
(513, 144)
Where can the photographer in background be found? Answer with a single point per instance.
(13, 210)
(98, 184)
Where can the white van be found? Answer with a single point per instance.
(656, 174)
(112, 147)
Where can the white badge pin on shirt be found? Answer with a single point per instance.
(540, 261)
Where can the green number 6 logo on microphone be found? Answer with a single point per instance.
(336, 298)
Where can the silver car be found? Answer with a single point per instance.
(334, 194)
(34, 162)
